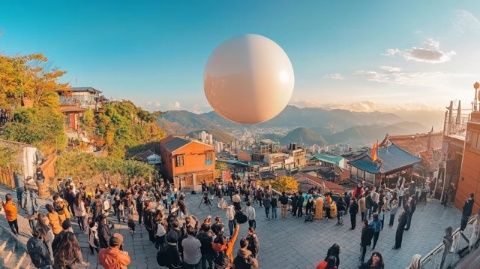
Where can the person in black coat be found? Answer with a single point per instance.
(104, 232)
(402, 221)
(294, 204)
(169, 256)
(467, 211)
(366, 239)
(411, 206)
(353, 210)
(334, 250)
(300, 204)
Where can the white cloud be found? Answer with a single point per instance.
(396, 76)
(334, 76)
(464, 22)
(176, 105)
(429, 53)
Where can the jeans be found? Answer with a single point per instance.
(192, 266)
(274, 212)
(252, 224)
(392, 219)
(267, 211)
(300, 211)
(353, 220)
(13, 226)
(363, 216)
(375, 238)
(340, 217)
(364, 250)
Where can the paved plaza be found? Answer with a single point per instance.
(292, 243)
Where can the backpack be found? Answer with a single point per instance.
(241, 217)
(242, 263)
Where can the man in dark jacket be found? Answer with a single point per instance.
(205, 236)
(38, 251)
(366, 239)
(284, 204)
(294, 204)
(402, 221)
(300, 204)
(353, 213)
(169, 255)
(412, 205)
(467, 211)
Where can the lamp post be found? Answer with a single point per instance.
(476, 86)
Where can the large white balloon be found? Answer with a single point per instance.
(248, 79)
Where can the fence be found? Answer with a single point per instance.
(461, 240)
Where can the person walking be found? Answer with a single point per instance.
(467, 211)
(11, 213)
(231, 218)
(412, 205)
(104, 232)
(376, 226)
(366, 239)
(250, 212)
(284, 204)
(353, 210)
(253, 242)
(375, 262)
(402, 221)
(114, 257)
(80, 211)
(38, 251)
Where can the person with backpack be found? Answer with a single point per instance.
(169, 255)
(244, 258)
(38, 251)
(253, 243)
(366, 239)
(376, 226)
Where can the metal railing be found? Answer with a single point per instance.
(433, 259)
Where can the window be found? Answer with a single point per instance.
(179, 161)
(474, 140)
(208, 158)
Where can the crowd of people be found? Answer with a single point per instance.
(185, 241)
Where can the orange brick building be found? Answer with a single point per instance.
(187, 163)
(469, 181)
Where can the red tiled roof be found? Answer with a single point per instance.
(417, 143)
(330, 186)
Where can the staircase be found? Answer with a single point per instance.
(13, 254)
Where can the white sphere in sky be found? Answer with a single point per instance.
(248, 79)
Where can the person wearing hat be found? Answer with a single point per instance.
(113, 257)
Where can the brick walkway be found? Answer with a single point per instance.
(291, 243)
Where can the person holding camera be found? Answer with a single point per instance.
(114, 257)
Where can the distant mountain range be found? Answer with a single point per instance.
(302, 125)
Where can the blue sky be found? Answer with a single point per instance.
(360, 55)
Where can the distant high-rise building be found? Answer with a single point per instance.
(203, 136)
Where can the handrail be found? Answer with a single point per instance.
(439, 249)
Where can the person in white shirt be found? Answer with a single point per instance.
(231, 218)
(250, 212)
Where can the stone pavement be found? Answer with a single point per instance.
(292, 243)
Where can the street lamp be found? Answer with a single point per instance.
(476, 85)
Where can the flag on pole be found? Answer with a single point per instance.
(374, 152)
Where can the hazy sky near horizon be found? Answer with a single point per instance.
(360, 55)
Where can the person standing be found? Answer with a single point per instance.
(80, 211)
(30, 205)
(68, 253)
(284, 204)
(402, 221)
(334, 251)
(366, 239)
(300, 201)
(11, 213)
(274, 203)
(192, 254)
(205, 236)
(393, 210)
(113, 257)
(376, 226)
(253, 243)
(467, 211)
(340, 211)
(267, 203)
(353, 210)
(104, 232)
(412, 205)
(231, 218)
(294, 204)
(250, 212)
(362, 206)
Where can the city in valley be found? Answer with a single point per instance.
(240, 134)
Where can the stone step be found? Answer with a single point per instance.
(14, 255)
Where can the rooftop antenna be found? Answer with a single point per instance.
(476, 86)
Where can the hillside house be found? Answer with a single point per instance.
(85, 97)
(187, 163)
